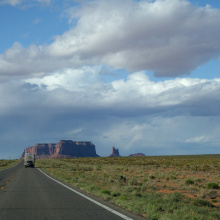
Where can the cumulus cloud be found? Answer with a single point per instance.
(134, 114)
(84, 86)
(168, 37)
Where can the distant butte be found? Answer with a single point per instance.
(115, 152)
(63, 149)
(137, 155)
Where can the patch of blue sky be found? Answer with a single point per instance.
(212, 3)
(35, 25)
(109, 74)
(209, 70)
(202, 3)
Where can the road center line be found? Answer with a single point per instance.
(92, 200)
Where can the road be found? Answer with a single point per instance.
(26, 193)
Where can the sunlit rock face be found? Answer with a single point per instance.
(63, 149)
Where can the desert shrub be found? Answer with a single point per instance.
(136, 193)
(212, 186)
(152, 177)
(7, 163)
(93, 188)
(206, 168)
(127, 182)
(128, 189)
(143, 188)
(99, 167)
(172, 177)
(176, 197)
(123, 197)
(122, 179)
(133, 182)
(116, 194)
(199, 180)
(105, 191)
(199, 202)
(189, 182)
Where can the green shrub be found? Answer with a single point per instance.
(176, 197)
(138, 194)
(116, 194)
(152, 177)
(105, 191)
(199, 180)
(172, 177)
(98, 167)
(133, 182)
(212, 186)
(123, 197)
(199, 202)
(189, 182)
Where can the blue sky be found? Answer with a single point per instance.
(142, 76)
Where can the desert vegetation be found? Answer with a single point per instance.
(168, 187)
(4, 164)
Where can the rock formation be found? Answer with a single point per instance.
(137, 155)
(115, 152)
(63, 149)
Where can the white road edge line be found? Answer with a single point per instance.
(92, 200)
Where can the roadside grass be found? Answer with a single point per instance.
(158, 188)
(4, 164)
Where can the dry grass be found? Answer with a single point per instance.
(169, 187)
(4, 164)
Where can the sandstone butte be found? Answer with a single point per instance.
(115, 152)
(137, 155)
(63, 149)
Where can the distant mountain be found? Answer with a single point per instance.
(63, 149)
(137, 155)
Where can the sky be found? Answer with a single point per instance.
(140, 75)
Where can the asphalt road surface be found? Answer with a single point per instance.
(26, 193)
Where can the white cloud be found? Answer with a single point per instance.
(180, 96)
(200, 139)
(70, 79)
(56, 91)
(169, 37)
(135, 114)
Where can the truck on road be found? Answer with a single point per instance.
(29, 160)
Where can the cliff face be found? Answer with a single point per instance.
(63, 149)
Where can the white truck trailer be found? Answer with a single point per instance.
(29, 160)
